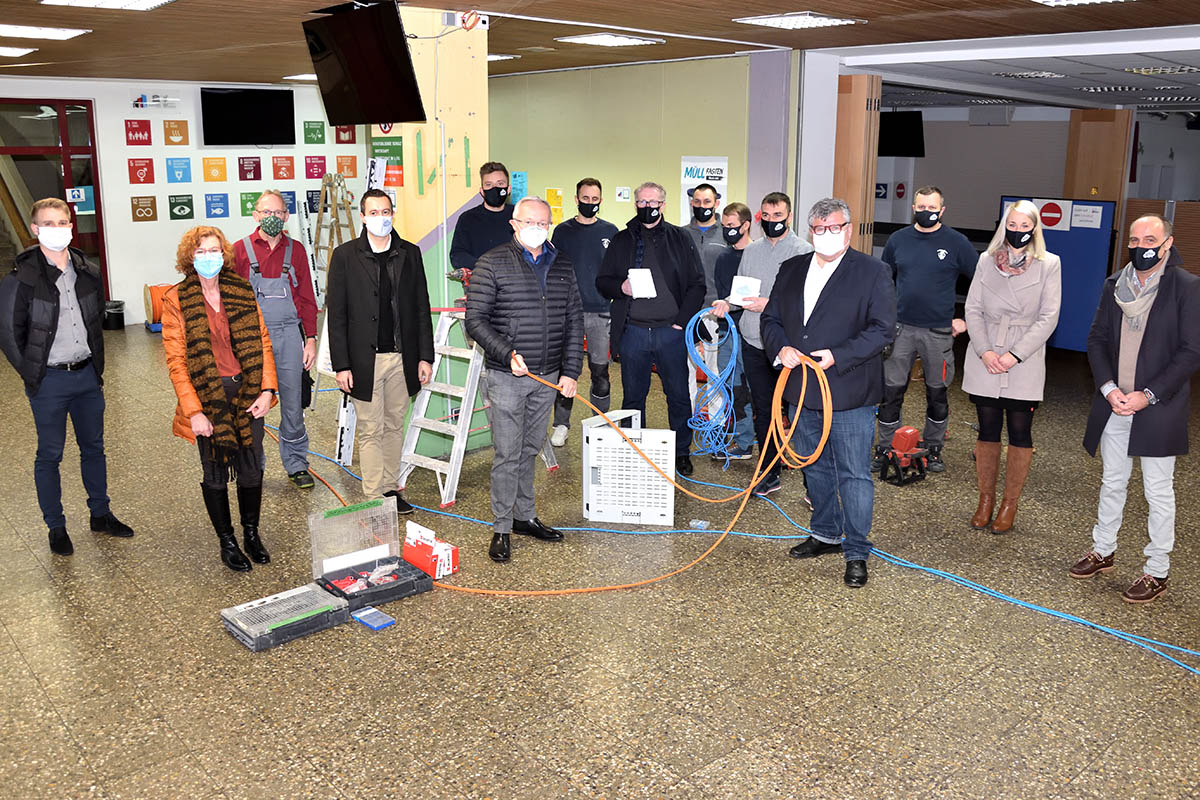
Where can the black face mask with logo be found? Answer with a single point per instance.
(495, 196)
(1018, 239)
(648, 215)
(774, 230)
(588, 210)
(1145, 258)
(702, 214)
(733, 235)
(927, 219)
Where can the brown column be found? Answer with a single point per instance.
(1098, 149)
(855, 152)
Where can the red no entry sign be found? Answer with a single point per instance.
(899, 190)
(1051, 214)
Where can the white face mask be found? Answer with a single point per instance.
(532, 236)
(378, 226)
(829, 244)
(54, 238)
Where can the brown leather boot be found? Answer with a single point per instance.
(1016, 469)
(987, 465)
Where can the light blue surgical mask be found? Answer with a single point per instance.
(208, 265)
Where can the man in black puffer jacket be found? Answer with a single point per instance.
(523, 309)
(648, 331)
(50, 307)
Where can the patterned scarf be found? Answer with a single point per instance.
(1010, 264)
(231, 423)
(1133, 298)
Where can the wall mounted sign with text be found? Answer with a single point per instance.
(175, 132)
(144, 209)
(137, 132)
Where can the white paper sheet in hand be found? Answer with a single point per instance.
(641, 283)
(744, 286)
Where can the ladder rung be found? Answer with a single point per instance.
(451, 350)
(425, 462)
(436, 425)
(438, 387)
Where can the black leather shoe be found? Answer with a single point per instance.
(500, 551)
(856, 574)
(111, 525)
(683, 465)
(60, 542)
(813, 547)
(537, 529)
(402, 505)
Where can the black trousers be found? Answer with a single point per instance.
(247, 462)
(761, 375)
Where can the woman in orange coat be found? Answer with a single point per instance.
(219, 358)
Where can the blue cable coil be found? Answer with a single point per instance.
(712, 433)
(1150, 645)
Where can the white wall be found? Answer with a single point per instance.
(138, 253)
(974, 165)
(1167, 144)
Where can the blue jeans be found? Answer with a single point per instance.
(663, 347)
(77, 394)
(743, 425)
(840, 482)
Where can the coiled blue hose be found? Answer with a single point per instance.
(712, 433)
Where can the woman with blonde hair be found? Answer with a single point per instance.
(220, 362)
(1011, 310)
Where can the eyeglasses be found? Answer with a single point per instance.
(279, 214)
(819, 229)
(543, 225)
(648, 204)
(210, 251)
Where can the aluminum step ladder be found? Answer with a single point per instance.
(458, 423)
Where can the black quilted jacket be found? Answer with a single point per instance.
(507, 311)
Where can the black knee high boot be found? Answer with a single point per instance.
(249, 505)
(217, 503)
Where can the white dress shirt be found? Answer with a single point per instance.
(814, 282)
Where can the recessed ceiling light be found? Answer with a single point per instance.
(1061, 3)
(988, 101)
(536, 49)
(308, 76)
(501, 57)
(798, 19)
(610, 40)
(29, 32)
(1024, 75)
(110, 5)
(1171, 98)
(1178, 69)
(16, 52)
(1107, 89)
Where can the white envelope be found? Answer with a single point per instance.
(744, 286)
(641, 283)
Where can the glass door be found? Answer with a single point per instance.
(47, 149)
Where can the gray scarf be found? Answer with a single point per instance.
(1133, 298)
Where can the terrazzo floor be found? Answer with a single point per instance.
(750, 676)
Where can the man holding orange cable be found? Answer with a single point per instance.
(836, 306)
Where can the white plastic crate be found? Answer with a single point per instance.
(618, 484)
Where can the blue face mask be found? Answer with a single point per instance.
(208, 265)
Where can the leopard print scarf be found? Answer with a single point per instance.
(231, 423)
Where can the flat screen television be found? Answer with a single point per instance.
(901, 134)
(364, 70)
(247, 116)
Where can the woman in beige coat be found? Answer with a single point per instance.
(1012, 308)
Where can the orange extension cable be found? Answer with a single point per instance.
(780, 433)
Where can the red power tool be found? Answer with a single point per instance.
(905, 462)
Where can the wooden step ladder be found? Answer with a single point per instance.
(458, 424)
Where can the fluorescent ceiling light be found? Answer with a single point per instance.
(610, 40)
(1107, 89)
(16, 52)
(1062, 3)
(29, 32)
(501, 57)
(988, 101)
(308, 76)
(1174, 98)
(1025, 75)
(798, 19)
(110, 5)
(1173, 70)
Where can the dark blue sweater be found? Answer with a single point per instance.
(926, 267)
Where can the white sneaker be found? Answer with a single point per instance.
(558, 437)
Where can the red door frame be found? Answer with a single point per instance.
(65, 150)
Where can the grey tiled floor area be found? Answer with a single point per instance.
(751, 676)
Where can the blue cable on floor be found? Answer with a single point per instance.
(1150, 645)
(712, 433)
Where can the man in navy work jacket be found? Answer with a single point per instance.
(837, 306)
(523, 309)
(1144, 348)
